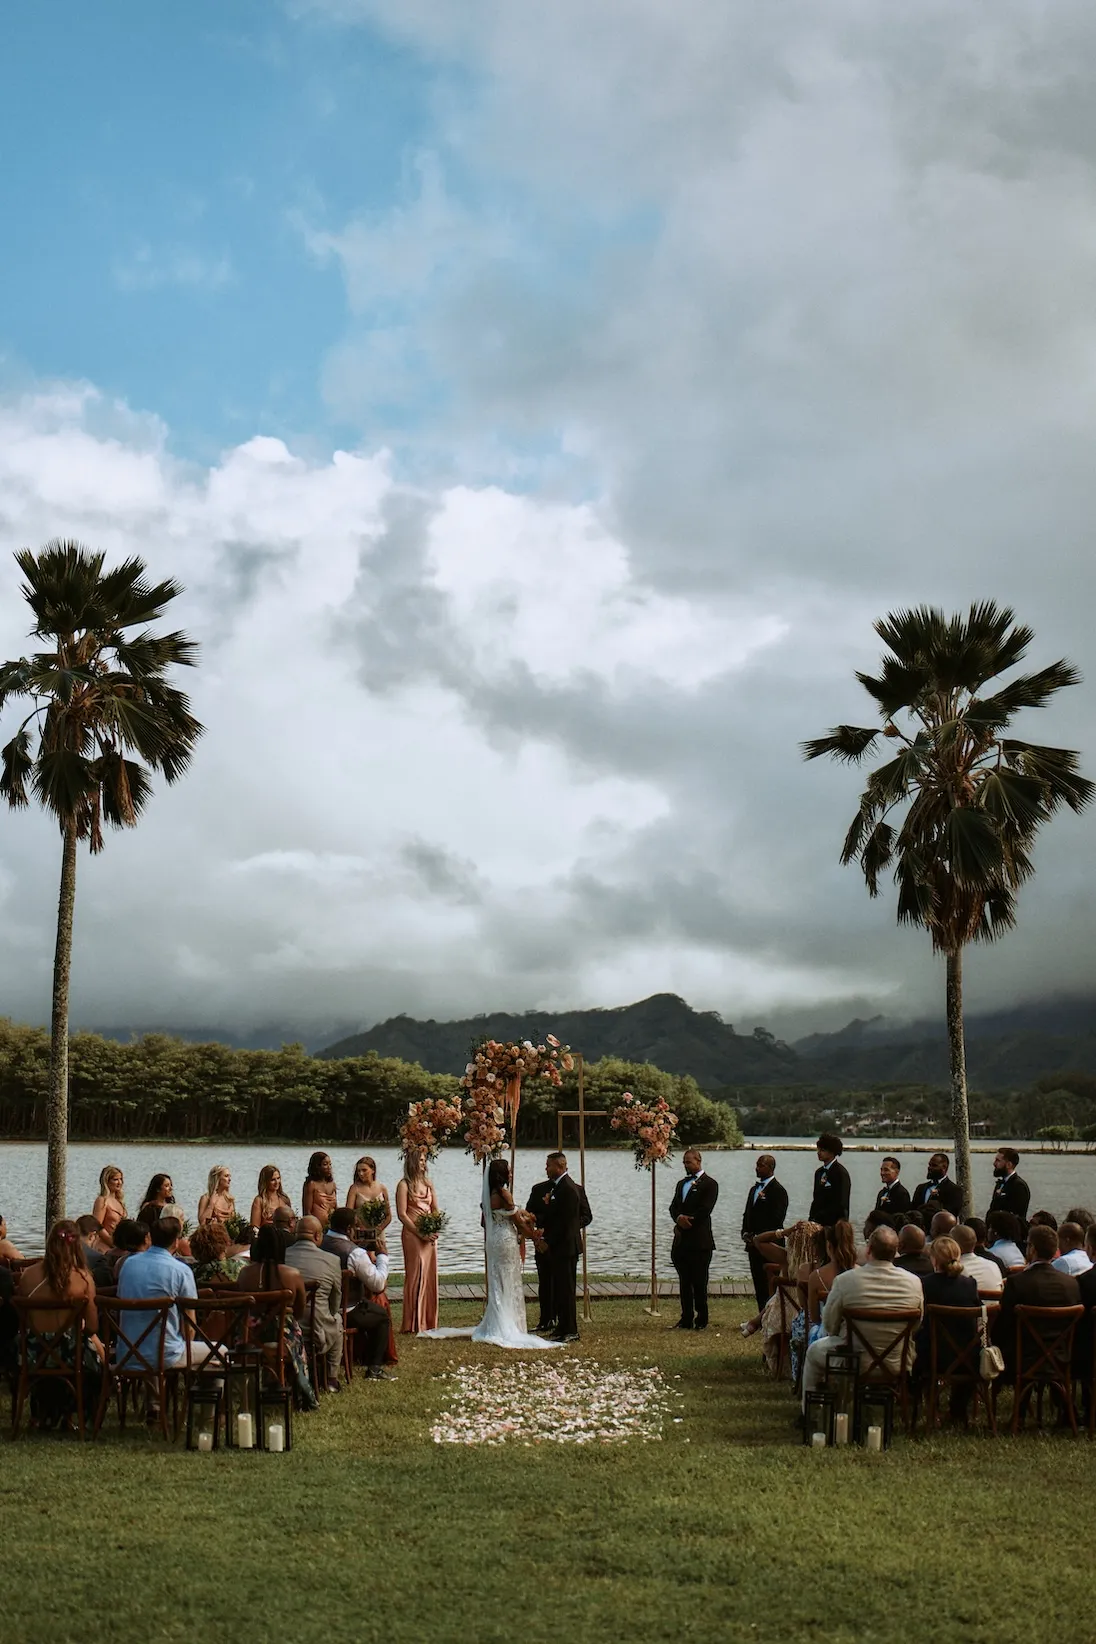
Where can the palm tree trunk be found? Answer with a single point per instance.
(57, 1100)
(960, 1118)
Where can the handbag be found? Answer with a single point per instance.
(991, 1362)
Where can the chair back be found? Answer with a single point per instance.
(51, 1345)
(878, 1334)
(267, 1314)
(955, 1342)
(133, 1333)
(1044, 1342)
(218, 1331)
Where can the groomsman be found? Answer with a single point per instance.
(691, 1208)
(893, 1199)
(939, 1192)
(765, 1210)
(1010, 1191)
(832, 1188)
(538, 1198)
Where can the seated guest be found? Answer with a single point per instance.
(1044, 1218)
(1004, 1231)
(1082, 1340)
(799, 1253)
(367, 1265)
(878, 1284)
(837, 1255)
(912, 1255)
(284, 1222)
(1038, 1285)
(209, 1246)
(1071, 1250)
(339, 1238)
(942, 1225)
(155, 1275)
(874, 1219)
(946, 1286)
(1084, 1218)
(91, 1234)
(129, 1237)
(981, 1243)
(61, 1277)
(986, 1274)
(313, 1262)
(938, 1192)
(7, 1249)
(267, 1272)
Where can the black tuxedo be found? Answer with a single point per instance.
(1038, 1286)
(932, 1196)
(919, 1263)
(535, 1203)
(763, 1213)
(832, 1189)
(945, 1290)
(691, 1252)
(1012, 1193)
(561, 1220)
(893, 1200)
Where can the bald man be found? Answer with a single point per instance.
(313, 1263)
(877, 1284)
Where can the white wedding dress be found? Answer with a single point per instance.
(503, 1323)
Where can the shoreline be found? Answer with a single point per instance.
(865, 1144)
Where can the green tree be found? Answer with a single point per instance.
(956, 812)
(99, 693)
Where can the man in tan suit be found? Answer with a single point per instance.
(879, 1284)
(313, 1263)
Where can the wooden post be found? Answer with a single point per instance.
(653, 1310)
(587, 1313)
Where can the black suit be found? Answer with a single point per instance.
(919, 1264)
(1082, 1339)
(764, 1212)
(832, 1188)
(561, 1219)
(893, 1200)
(1011, 1193)
(946, 1290)
(932, 1196)
(534, 1204)
(691, 1253)
(1038, 1286)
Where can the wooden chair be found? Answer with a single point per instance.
(955, 1346)
(1047, 1335)
(317, 1358)
(217, 1333)
(788, 1292)
(900, 1326)
(1090, 1367)
(350, 1334)
(133, 1333)
(50, 1367)
(267, 1316)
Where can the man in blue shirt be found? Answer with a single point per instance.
(155, 1275)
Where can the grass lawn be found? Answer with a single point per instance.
(727, 1529)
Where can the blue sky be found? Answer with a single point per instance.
(158, 163)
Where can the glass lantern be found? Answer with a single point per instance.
(818, 1415)
(276, 1419)
(875, 1417)
(842, 1376)
(203, 1419)
(243, 1381)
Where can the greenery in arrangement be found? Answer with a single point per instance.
(431, 1222)
(102, 716)
(160, 1086)
(725, 1529)
(956, 812)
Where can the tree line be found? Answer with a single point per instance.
(159, 1086)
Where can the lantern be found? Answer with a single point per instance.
(875, 1417)
(203, 1418)
(243, 1381)
(818, 1414)
(276, 1419)
(842, 1377)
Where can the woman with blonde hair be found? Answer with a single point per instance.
(110, 1205)
(216, 1203)
(365, 1189)
(415, 1197)
(947, 1286)
(269, 1198)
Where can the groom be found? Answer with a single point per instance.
(561, 1227)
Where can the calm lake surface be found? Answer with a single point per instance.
(620, 1195)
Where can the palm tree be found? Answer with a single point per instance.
(957, 810)
(99, 692)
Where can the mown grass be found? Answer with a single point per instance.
(728, 1529)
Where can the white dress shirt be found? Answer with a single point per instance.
(986, 1274)
(370, 1275)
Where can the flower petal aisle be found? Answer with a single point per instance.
(571, 1402)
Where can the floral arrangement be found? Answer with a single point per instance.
(238, 1229)
(492, 1082)
(650, 1125)
(428, 1125)
(430, 1223)
(371, 1212)
(573, 1402)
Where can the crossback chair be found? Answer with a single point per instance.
(1090, 1367)
(267, 1316)
(955, 1347)
(217, 1334)
(901, 1326)
(51, 1366)
(317, 1355)
(1046, 1334)
(350, 1334)
(787, 1290)
(133, 1333)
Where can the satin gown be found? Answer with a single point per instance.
(420, 1267)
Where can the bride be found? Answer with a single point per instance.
(503, 1323)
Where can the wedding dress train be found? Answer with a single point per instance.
(503, 1322)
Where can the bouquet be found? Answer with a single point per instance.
(238, 1229)
(371, 1212)
(431, 1223)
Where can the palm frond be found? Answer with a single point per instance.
(975, 857)
(876, 855)
(1055, 768)
(62, 781)
(1011, 798)
(845, 742)
(16, 769)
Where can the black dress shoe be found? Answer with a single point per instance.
(375, 1373)
(700, 1326)
(682, 1324)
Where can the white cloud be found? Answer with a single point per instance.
(148, 268)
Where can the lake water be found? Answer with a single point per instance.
(620, 1195)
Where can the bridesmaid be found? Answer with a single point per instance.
(319, 1196)
(216, 1203)
(110, 1206)
(160, 1192)
(365, 1189)
(415, 1197)
(269, 1197)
